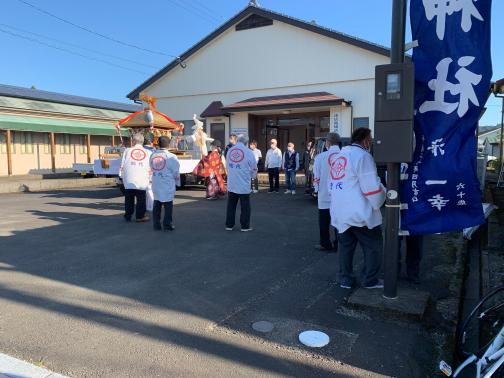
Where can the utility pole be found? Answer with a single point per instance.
(393, 203)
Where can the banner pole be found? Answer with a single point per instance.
(393, 202)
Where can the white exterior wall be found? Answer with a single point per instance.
(272, 60)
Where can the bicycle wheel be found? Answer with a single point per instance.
(482, 325)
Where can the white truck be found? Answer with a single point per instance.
(110, 162)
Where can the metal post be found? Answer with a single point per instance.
(393, 203)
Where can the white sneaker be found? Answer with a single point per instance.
(293, 192)
(229, 228)
(287, 192)
(377, 285)
(246, 229)
(255, 191)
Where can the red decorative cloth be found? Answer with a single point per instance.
(211, 165)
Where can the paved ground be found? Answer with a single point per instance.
(85, 294)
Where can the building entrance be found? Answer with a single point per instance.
(295, 128)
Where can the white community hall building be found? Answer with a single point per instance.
(268, 75)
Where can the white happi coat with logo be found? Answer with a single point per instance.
(135, 170)
(165, 169)
(241, 167)
(321, 168)
(356, 191)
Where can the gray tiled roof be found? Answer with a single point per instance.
(61, 98)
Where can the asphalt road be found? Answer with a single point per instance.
(87, 295)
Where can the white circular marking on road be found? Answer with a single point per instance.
(263, 326)
(314, 339)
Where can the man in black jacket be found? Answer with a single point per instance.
(232, 142)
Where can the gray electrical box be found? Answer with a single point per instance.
(394, 101)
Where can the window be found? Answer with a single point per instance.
(324, 123)
(25, 140)
(218, 132)
(3, 142)
(82, 144)
(47, 143)
(361, 122)
(65, 147)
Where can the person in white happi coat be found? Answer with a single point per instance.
(165, 178)
(135, 174)
(356, 198)
(242, 167)
(321, 176)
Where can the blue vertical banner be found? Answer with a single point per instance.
(453, 72)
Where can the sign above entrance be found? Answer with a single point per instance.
(240, 131)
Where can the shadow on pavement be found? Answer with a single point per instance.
(231, 279)
(202, 344)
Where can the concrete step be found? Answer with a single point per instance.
(263, 178)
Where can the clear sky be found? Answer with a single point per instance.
(167, 26)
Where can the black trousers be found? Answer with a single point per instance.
(371, 242)
(129, 203)
(325, 230)
(414, 252)
(232, 203)
(274, 179)
(168, 214)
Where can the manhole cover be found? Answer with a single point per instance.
(314, 339)
(263, 326)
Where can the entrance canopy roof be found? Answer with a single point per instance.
(300, 100)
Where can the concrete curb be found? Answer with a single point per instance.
(264, 180)
(52, 184)
(13, 368)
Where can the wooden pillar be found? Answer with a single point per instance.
(88, 142)
(8, 142)
(113, 141)
(53, 152)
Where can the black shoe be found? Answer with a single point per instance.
(157, 228)
(320, 247)
(169, 227)
(127, 219)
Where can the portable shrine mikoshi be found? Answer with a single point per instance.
(149, 121)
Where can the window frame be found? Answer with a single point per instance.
(25, 140)
(83, 144)
(63, 145)
(360, 119)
